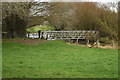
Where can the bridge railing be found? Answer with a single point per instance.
(69, 34)
(65, 35)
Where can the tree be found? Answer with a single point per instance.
(60, 15)
(85, 16)
(15, 16)
(38, 13)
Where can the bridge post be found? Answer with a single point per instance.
(98, 43)
(46, 36)
(88, 42)
(77, 41)
(28, 34)
(39, 34)
(42, 35)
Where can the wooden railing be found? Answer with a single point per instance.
(67, 35)
(58, 35)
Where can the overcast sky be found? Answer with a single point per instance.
(103, 1)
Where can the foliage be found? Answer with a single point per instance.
(56, 59)
(35, 29)
(66, 16)
(13, 8)
(14, 26)
(15, 17)
(85, 16)
(38, 13)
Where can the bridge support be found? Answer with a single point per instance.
(98, 44)
(77, 41)
(88, 42)
(39, 34)
(42, 35)
(28, 34)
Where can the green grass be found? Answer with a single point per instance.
(42, 28)
(16, 39)
(56, 59)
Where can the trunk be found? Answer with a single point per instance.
(14, 34)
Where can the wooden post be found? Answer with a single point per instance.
(42, 35)
(28, 34)
(77, 41)
(39, 34)
(97, 43)
(46, 36)
(88, 42)
(113, 42)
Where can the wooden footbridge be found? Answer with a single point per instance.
(66, 35)
(58, 35)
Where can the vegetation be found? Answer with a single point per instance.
(62, 16)
(15, 17)
(35, 29)
(85, 16)
(56, 59)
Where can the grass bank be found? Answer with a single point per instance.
(55, 59)
(35, 29)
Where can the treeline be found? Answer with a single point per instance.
(85, 16)
(62, 16)
(15, 17)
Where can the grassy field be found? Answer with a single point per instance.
(56, 59)
(35, 29)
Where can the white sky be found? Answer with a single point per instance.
(103, 1)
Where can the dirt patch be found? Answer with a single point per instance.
(103, 47)
(34, 41)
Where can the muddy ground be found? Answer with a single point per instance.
(37, 41)
(30, 41)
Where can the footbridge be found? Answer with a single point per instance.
(66, 35)
(61, 35)
(86, 35)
